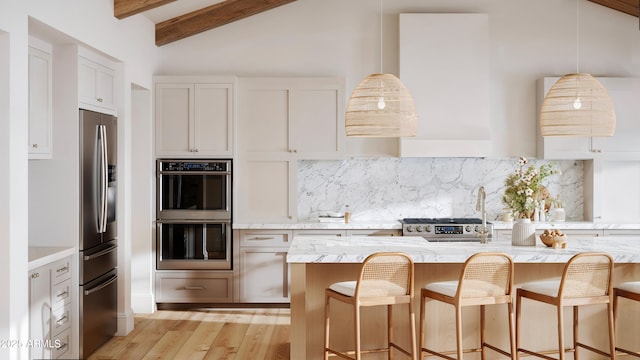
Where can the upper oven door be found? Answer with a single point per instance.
(194, 189)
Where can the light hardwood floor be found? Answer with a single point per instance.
(234, 334)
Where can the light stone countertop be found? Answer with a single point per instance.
(43, 255)
(394, 224)
(354, 249)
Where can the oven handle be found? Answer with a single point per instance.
(190, 221)
(100, 253)
(101, 286)
(195, 172)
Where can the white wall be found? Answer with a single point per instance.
(527, 40)
(90, 23)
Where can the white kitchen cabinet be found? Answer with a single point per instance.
(611, 193)
(264, 271)
(193, 286)
(281, 121)
(96, 82)
(374, 232)
(300, 116)
(444, 62)
(624, 145)
(50, 309)
(321, 232)
(622, 232)
(194, 116)
(40, 99)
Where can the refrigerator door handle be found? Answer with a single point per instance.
(101, 286)
(103, 178)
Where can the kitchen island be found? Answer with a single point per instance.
(318, 261)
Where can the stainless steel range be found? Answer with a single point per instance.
(446, 229)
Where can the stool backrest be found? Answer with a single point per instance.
(486, 274)
(391, 269)
(587, 275)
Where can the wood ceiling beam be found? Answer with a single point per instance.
(125, 8)
(626, 6)
(210, 17)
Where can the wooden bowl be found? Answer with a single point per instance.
(554, 240)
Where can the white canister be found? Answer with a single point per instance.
(557, 214)
(523, 233)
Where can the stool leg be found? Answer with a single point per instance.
(412, 322)
(390, 330)
(326, 327)
(422, 325)
(459, 331)
(518, 311)
(612, 331)
(357, 330)
(560, 333)
(512, 340)
(575, 332)
(482, 339)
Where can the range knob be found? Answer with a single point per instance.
(477, 228)
(409, 228)
(428, 228)
(419, 228)
(467, 228)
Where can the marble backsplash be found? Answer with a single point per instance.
(378, 189)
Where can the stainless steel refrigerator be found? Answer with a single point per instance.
(98, 246)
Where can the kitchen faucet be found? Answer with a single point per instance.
(480, 206)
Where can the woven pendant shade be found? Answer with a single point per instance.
(577, 105)
(381, 106)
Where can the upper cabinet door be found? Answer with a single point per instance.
(623, 145)
(194, 116)
(301, 118)
(96, 83)
(444, 62)
(40, 100)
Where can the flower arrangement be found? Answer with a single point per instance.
(524, 189)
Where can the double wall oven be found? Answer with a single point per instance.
(194, 214)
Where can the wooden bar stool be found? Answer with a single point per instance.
(486, 279)
(386, 278)
(586, 280)
(629, 290)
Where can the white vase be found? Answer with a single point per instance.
(523, 233)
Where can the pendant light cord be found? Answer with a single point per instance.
(381, 70)
(577, 36)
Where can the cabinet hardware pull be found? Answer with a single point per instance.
(64, 268)
(35, 275)
(35, 146)
(99, 99)
(62, 320)
(63, 294)
(195, 287)
(62, 346)
(262, 238)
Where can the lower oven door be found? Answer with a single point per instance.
(98, 312)
(193, 245)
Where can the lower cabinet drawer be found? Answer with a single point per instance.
(61, 343)
(194, 287)
(61, 294)
(60, 319)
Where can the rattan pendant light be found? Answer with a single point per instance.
(577, 105)
(381, 106)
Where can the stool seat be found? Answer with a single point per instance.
(631, 286)
(586, 280)
(631, 291)
(486, 279)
